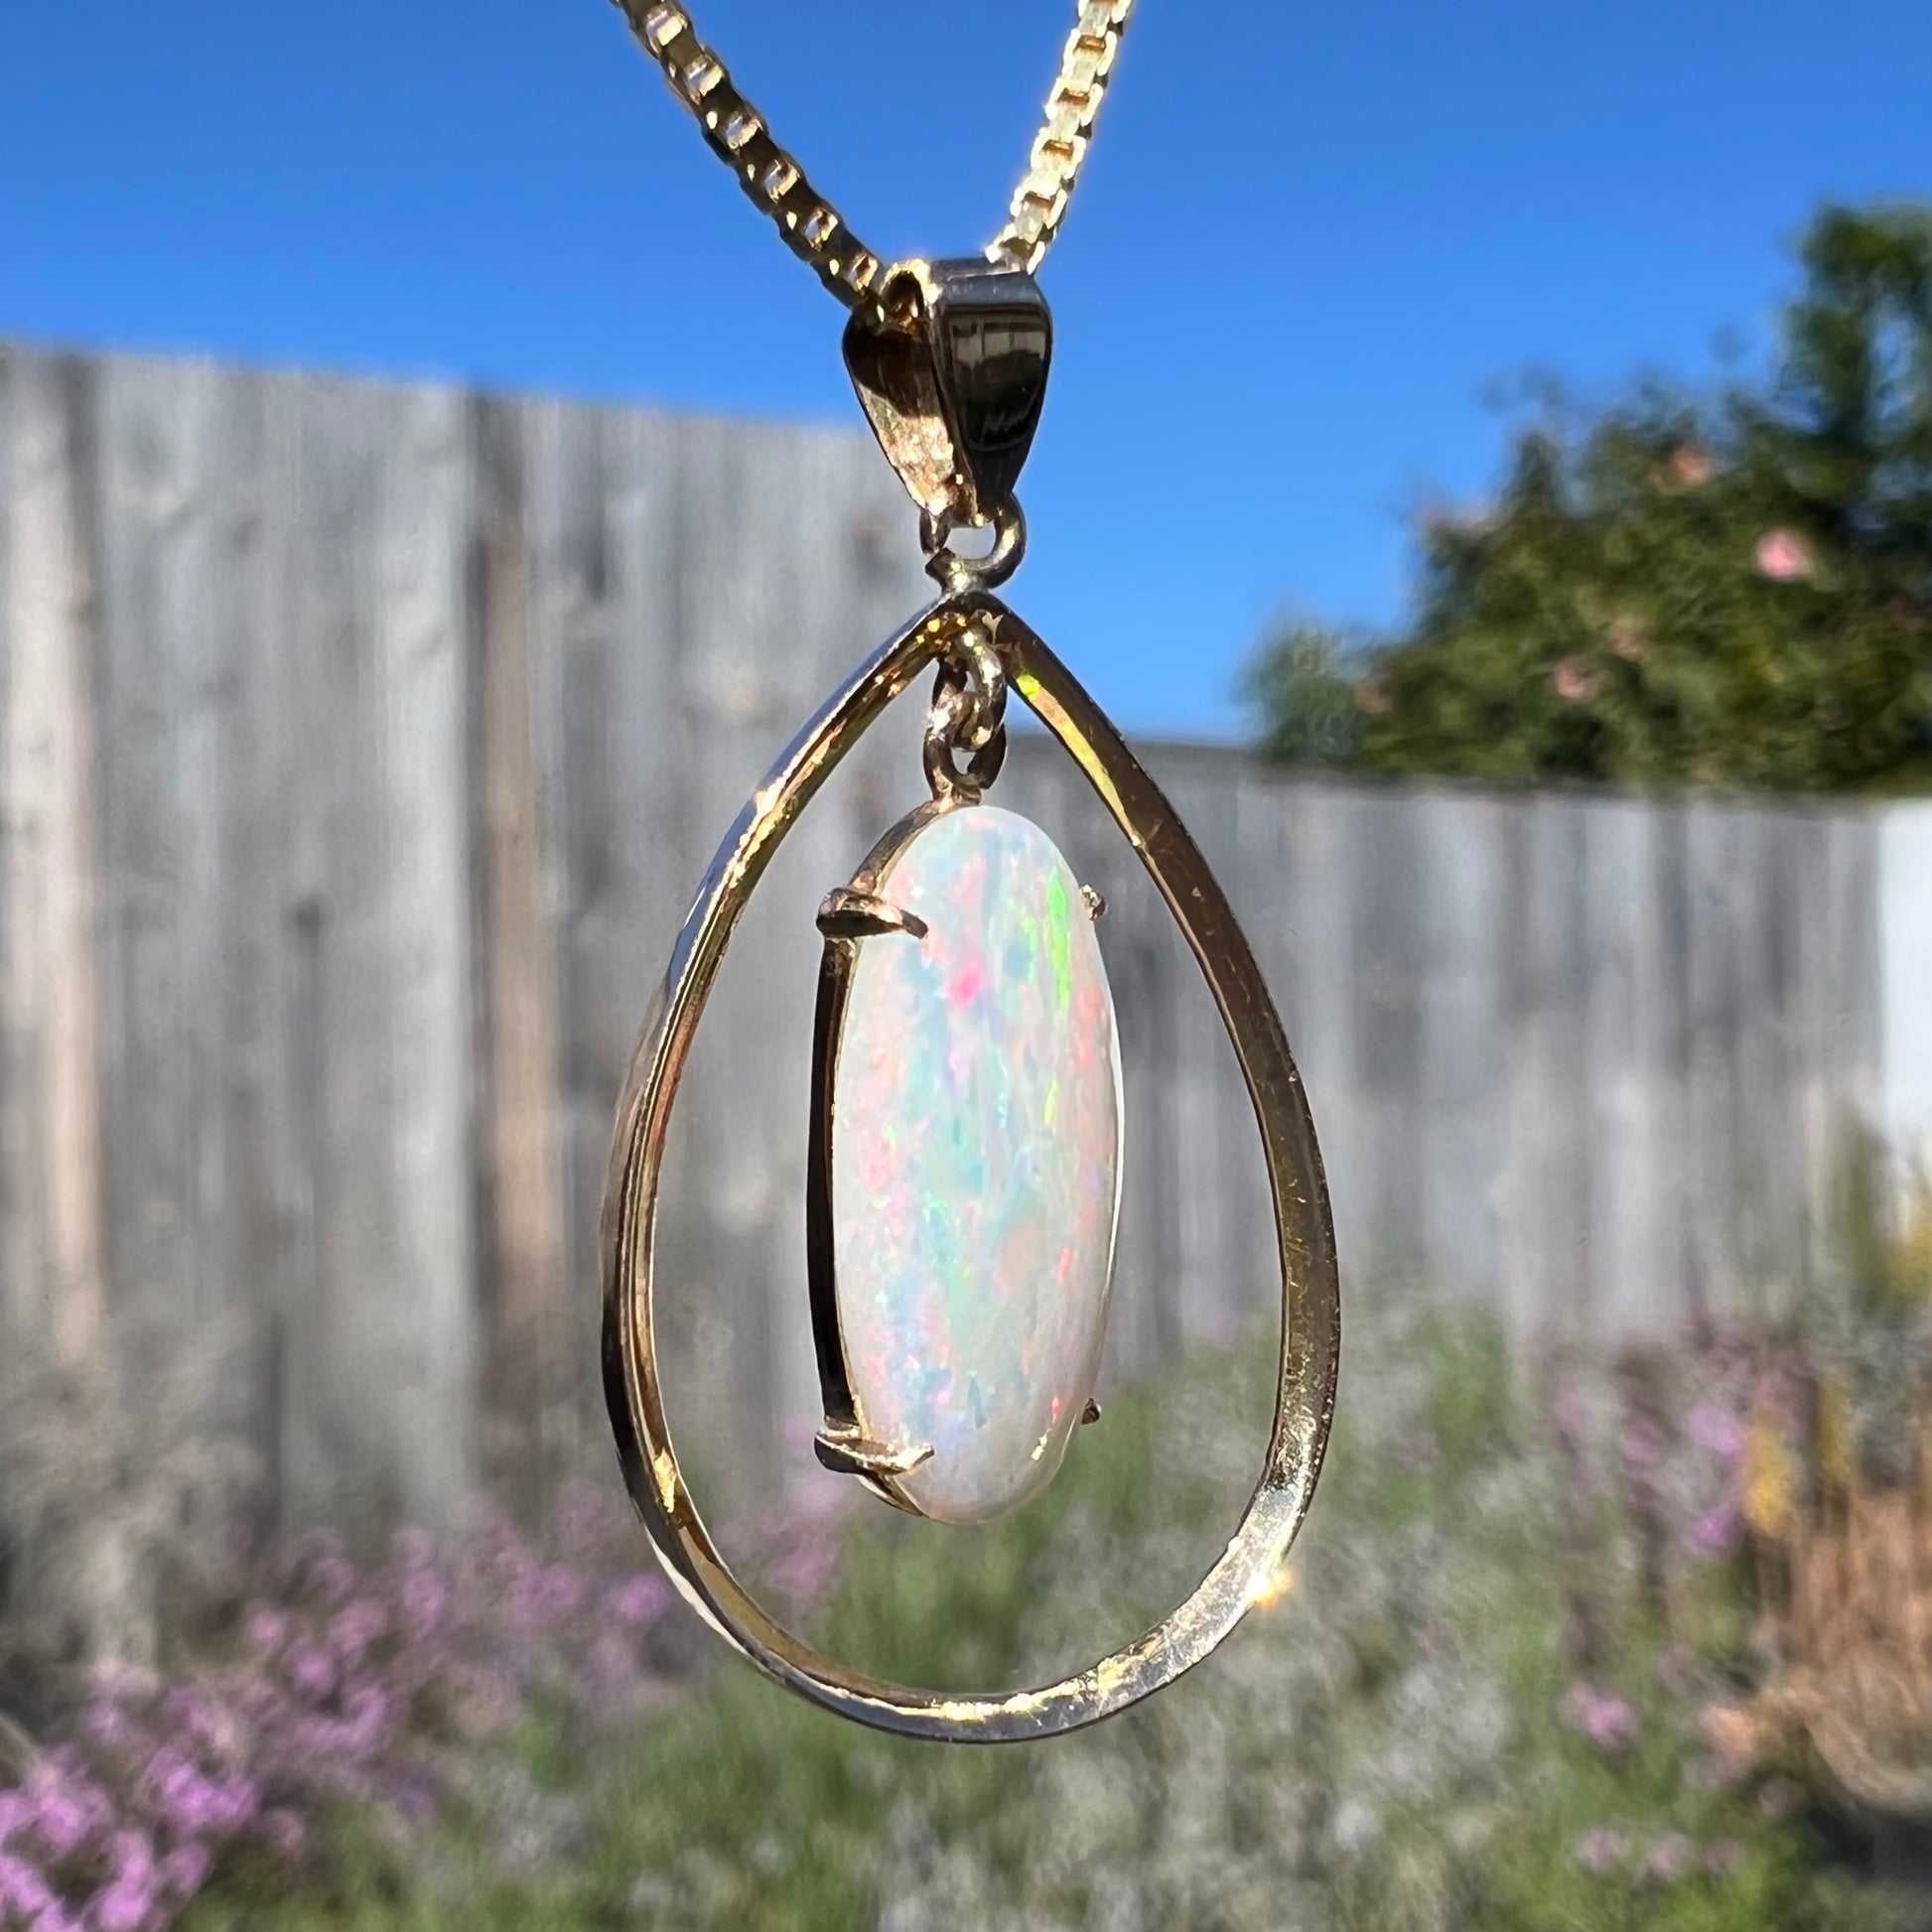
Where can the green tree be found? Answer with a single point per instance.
(1732, 591)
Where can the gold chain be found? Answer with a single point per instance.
(810, 226)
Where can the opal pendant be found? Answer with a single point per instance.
(968, 1082)
(964, 1166)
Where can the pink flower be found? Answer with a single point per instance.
(1690, 465)
(1716, 1431)
(1670, 1858)
(1613, 1724)
(1641, 1445)
(1599, 1850)
(1783, 556)
(1573, 680)
(1723, 1857)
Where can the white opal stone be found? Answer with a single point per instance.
(976, 1163)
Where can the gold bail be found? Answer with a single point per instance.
(950, 366)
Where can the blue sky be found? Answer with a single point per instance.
(1308, 238)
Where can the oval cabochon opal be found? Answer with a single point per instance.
(976, 1163)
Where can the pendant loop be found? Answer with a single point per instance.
(951, 366)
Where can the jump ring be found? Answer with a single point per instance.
(956, 573)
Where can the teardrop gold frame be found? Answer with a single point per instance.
(1310, 1291)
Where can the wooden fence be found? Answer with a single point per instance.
(362, 746)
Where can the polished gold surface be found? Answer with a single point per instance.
(950, 367)
(810, 226)
(852, 1453)
(1310, 1304)
(965, 743)
(848, 914)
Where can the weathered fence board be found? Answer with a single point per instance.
(363, 746)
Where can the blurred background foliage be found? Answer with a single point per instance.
(1729, 590)
(1576, 1639)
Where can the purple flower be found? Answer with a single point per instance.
(1599, 1850)
(186, 1869)
(425, 1603)
(109, 1724)
(1607, 1722)
(15, 1811)
(23, 1888)
(1641, 1444)
(62, 1822)
(638, 1600)
(195, 1804)
(1716, 1431)
(268, 1632)
(1613, 1724)
(370, 1713)
(129, 1902)
(355, 1629)
(556, 1591)
(1718, 1532)
(311, 1670)
(127, 1906)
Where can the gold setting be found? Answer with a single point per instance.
(849, 913)
(1310, 1299)
(879, 1465)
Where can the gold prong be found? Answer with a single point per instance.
(1096, 906)
(1091, 1413)
(849, 913)
(849, 1454)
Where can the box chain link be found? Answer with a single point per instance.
(810, 226)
